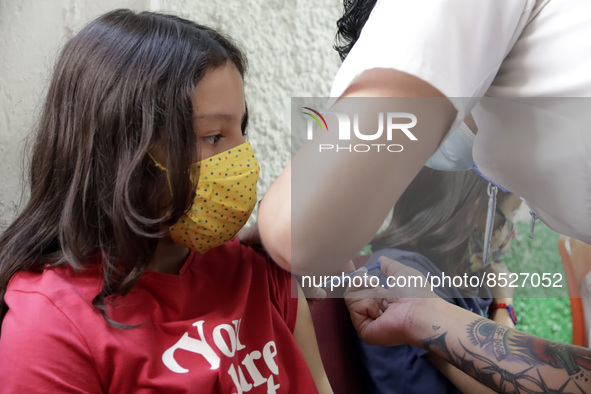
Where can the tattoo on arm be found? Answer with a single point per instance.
(496, 347)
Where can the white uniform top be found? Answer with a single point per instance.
(520, 55)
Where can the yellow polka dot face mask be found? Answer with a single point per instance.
(226, 196)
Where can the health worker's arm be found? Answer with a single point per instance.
(504, 359)
(307, 217)
(501, 295)
(463, 382)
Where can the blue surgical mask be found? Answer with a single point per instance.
(455, 154)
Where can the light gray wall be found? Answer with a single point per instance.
(288, 44)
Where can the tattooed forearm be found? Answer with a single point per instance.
(438, 345)
(532, 350)
(485, 332)
(507, 360)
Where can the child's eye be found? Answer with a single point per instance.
(213, 139)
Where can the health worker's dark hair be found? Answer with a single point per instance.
(122, 85)
(355, 15)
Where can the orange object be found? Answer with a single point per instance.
(576, 260)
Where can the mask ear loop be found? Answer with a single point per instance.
(490, 218)
(161, 167)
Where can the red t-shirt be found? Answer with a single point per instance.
(223, 325)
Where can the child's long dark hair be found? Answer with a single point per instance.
(436, 215)
(122, 85)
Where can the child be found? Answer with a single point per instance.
(437, 226)
(120, 274)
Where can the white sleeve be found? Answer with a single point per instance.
(455, 45)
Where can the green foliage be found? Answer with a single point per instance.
(544, 312)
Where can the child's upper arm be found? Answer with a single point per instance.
(40, 349)
(305, 337)
(296, 314)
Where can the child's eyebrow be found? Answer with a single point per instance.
(219, 115)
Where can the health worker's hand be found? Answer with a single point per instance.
(385, 316)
